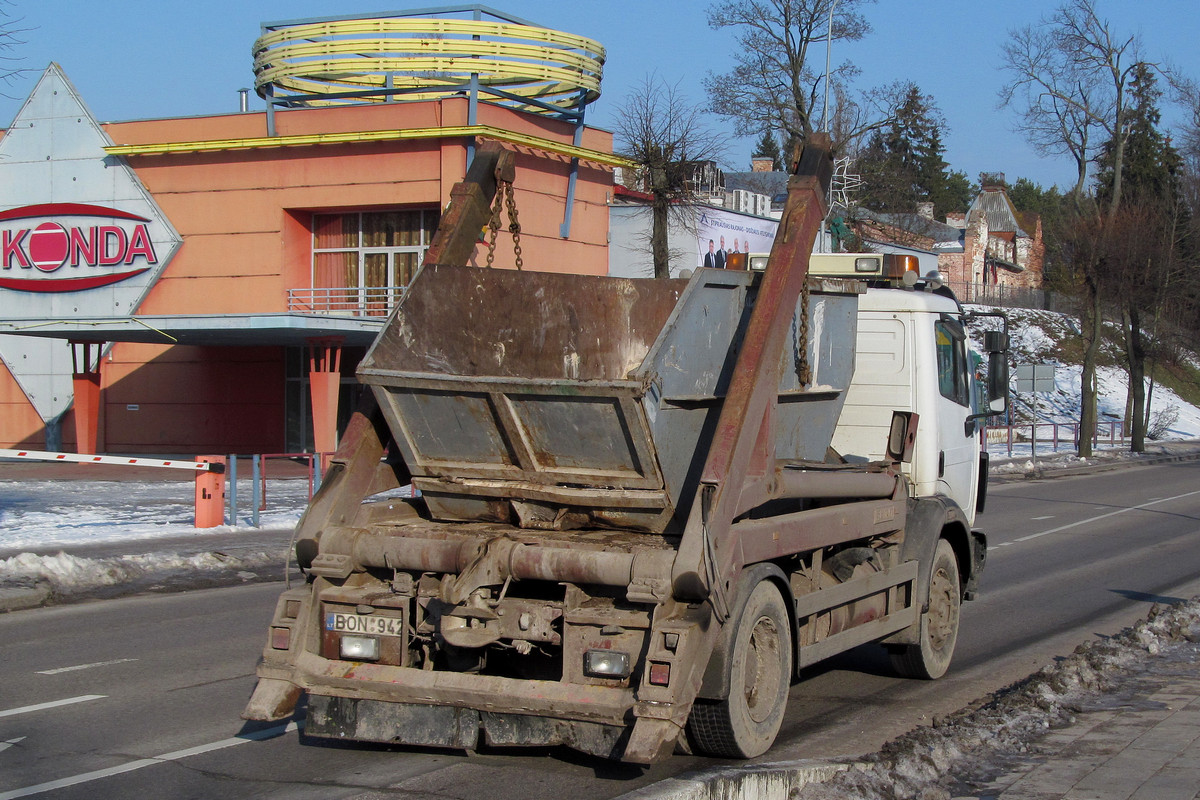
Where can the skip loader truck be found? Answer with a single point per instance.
(643, 505)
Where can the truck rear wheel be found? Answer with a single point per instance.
(930, 658)
(745, 723)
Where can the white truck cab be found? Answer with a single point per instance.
(909, 330)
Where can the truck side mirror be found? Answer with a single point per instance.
(995, 344)
(902, 436)
(997, 380)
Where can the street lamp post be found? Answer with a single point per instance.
(828, 57)
(826, 244)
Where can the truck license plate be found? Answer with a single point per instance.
(370, 624)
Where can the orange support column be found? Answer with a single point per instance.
(324, 381)
(85, 378)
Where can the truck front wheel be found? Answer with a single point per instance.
(930, 658)
(744, 724)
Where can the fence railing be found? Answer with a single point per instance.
(372, 301)
(1003, 296)
(310, 463)
(1054, 435)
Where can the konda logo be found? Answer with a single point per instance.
(65, 253)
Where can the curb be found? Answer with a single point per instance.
(1040, 471)
(776, 781)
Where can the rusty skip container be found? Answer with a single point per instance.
(623, 484)
(554, 401)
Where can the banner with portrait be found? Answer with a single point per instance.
(720, 232)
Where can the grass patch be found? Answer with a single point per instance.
(1183, 379)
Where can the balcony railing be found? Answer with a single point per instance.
(373, 301)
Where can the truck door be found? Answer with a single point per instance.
(958, 457)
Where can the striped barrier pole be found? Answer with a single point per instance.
(210, 476)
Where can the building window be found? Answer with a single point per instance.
(363, 260)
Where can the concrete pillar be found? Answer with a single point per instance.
(85, 378)
(324, 380)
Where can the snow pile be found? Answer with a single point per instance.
(51, 531)
(926, 762)
(67, 575)
(1046, 462)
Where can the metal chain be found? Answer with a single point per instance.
(803, 369)
(514, 227)
(505, 189)
(493, 227)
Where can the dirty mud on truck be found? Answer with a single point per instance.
(643, 505)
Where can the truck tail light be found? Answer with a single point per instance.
(281, 638)
(660, 674)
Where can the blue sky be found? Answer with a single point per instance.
(134, 59)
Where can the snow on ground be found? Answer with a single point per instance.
(1034, 338)
(52, 528)
(970, 746)
(41, 514)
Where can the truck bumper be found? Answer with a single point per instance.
(379, 703)
(488, 693)
(460, 728)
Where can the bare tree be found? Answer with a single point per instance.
(1070, 76)
(779, 79)
(1082, 243)
(11, 40)
(657, 127)
(1057, 110)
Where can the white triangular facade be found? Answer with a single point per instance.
(53, 154)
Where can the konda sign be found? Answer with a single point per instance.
(73, 247)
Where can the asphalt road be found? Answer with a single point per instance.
(139, 697)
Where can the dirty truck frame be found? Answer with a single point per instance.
(631, 528)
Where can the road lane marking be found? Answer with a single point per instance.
(95, 663)
(83, 698)
(1039, 519)
(87, 777)
(5, 745)
(84, 666)
(1090, 520)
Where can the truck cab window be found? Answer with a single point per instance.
(953, 378)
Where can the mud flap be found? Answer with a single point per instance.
(978, 542)
(929, 519)
(652, 740)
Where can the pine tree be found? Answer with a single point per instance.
(903, 165)
(768, 147)
(1151, 167)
